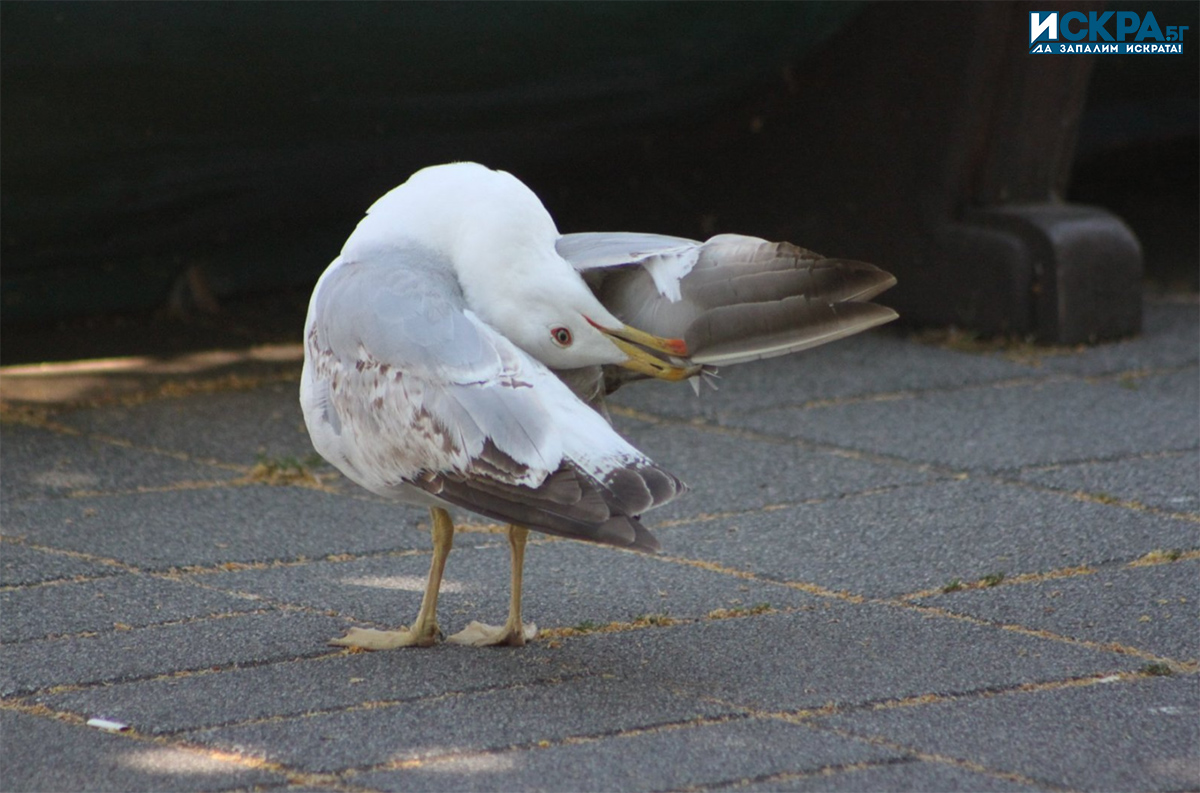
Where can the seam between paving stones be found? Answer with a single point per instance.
(548, 743)
(119, 627)
(956, 762)
(939, 471)
(901, 601)
(40, 417)
(234, 759)
(814, 589)
(693, 519)
(185, 574)
(556, 635)
(1114, 458)
(19, 539)
(39, 420)
(1152, 559)
(803, 443)
(1125, 457)
(933, 611)
(233, 666)
(837, 769)
(551, 636)
(1101, 498)
(807, 715)
(707, 517)
(1022, 381)
(744, 714)
(798, 716)
(341, 779)
(345, 776)
(174, 487)
(385, 704)
(802, 716)
(1039, 633)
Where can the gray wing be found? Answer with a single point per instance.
(404, 387)
(733, 298)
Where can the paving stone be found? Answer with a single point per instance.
(729, 474)
(1121, 736)
(1149, 608)
(460, 723)
(215, 525)
(42, 754)
(566, 583)
(1170, 482)
(126, 600)
(39, 463)
(293, 688)
(915, 538)
(710, 754)
(123, 655)
(844, 653)
(235, 427)
(21, 565)
(993, 429)
(871, 363)
(909, 775)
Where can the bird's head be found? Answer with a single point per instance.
(564, 326)
(500, 240)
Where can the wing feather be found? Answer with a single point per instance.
(733, 298)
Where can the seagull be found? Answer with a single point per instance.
(458, 352)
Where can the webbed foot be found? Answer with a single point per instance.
(371, 639)
(476, 634)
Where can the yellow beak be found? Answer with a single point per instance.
(637, 344)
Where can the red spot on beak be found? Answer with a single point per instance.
(676, 347)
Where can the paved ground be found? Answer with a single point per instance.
(907, 565)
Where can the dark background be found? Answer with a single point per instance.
(176, 176)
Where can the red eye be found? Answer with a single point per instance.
(561, 336)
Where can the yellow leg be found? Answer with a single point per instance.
(424, 632)
(513, 633)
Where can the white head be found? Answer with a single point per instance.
(501, 240)
(553, 316)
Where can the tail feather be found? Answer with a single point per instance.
(742, 299)
(832, 280)
(759, 299)
(751, 331)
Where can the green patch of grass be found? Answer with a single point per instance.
(992, 579)
(289, 462)
(284, 470)
(953, 585)
(1157, 670)
(586, 626)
